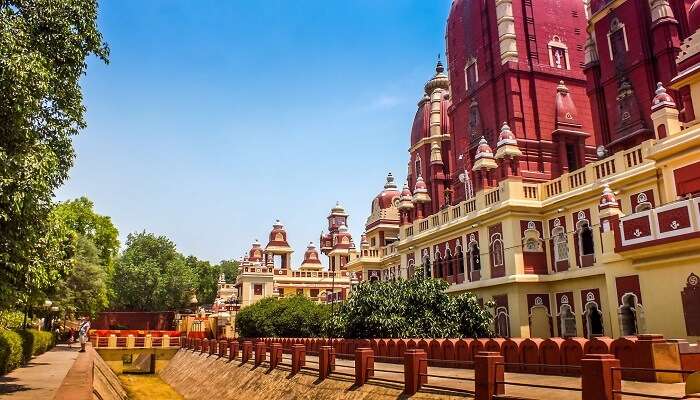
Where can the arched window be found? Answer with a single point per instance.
(419, 172)
(497, 250)
(427, 271)
(594, 320)
(501, 322)
(561, 247)
(474, 256)
(449, 267)
(411, 268)
(568, 321)
(460, 260)
(438, 265)
(628, 315)
(585, 234)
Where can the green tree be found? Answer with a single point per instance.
(151, 275)
(80, 217)
(84, 290)
(206, 276)
(417, 307)
(230, 269)
(43, 48)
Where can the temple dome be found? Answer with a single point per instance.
(278, 236)
(385, 198)
(662, 98)
(484, 150)
(421, 122)
(311, 259)
(256, 252)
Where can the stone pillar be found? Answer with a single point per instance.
(205, 346)
(597, 377)
(130, 342)
(232, 349)
(486, 373)
(415, 363)
(197, 344)
(324, 362)
(222, 348)
(212, 346)
(298, 357)
(364, 365)
(275, 354)
(247, 350)
(260, 353)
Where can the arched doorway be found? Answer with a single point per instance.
(567, 326)
(594, 320)
(628, 315)
(501, 322)
(539, 322)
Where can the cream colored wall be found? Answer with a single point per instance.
(661, 284)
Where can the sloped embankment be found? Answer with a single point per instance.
(199, 376)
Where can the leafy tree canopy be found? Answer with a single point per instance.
(80, 217)
(417, 307)
(230, 269)
(84, 291)
(151, 275)
(43, 48)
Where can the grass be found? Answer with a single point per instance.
(147, 387)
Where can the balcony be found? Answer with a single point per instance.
(668, 223)
(536, 194)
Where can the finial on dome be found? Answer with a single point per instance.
(483, 150)
(390, 184)
(662, 99)
(439, 68)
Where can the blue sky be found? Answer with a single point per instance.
(214, 118)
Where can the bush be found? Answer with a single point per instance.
(10, 350)
(18, 347)
(11, 319)
(35, 342)
(295, 316)
(417, 307)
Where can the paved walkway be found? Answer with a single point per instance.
(41, 377)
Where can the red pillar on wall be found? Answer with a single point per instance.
(233, 349)
(364, 365)
(298, 357)
(415, 363)
(260, 353)
(597, 377)
(325, 362)
(247, 350)
(275, 354)
(486, 373)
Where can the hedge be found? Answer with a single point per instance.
(18, 347)
(10, 351)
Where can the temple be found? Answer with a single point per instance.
(268, 272)
(554, 168)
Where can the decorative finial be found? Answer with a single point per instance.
(439, 68)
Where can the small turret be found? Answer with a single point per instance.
(664, 114)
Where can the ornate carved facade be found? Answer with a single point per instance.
(553, 168)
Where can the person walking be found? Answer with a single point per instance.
(83, 333)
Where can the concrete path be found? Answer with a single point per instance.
(41, 377)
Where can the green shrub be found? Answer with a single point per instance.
(417, 307)
(295, 316)
(10, 350)
(34, 343)
(11, 319)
